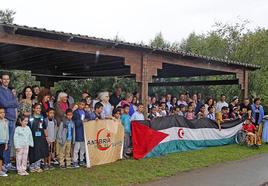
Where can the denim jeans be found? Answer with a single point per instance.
(11, 130)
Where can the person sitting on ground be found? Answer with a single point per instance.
(190, 113)
(138, 115)
(252, 133)
(201, 114)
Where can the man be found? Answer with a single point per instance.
(168, 101)
(115, 98)
(9, 102)
(199, 103)
(221, 103)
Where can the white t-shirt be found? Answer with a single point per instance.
(137, 116)
(219, 105)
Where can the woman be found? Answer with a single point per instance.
(209, 103)
(61, 106)
(43, 99)
(25, 107)
(107, 112)
(257, 111)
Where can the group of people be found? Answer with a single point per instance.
(43, 130)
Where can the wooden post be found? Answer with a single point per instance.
(144, 83)
(245, 91)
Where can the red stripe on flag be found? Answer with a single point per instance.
(144, 139)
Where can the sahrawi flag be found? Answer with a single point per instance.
(175, 134)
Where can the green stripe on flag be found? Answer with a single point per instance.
(186, 145)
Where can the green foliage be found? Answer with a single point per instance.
(7, 15)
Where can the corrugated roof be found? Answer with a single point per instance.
(122, 44)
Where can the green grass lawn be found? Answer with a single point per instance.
(126, 172)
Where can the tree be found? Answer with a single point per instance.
(7, 16)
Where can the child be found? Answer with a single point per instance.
(66, 137)
(79, 116)
(125, 119)
(163, 111)
(138, 115)
(22, 140)
(181, 110)
(225, 114)
(4, 137)
(235, 114)
(251, 131)
(201, 114)
(96, 114)
(117, 114)
(51, 128)
(153, 113)
(40, 149)
(190, 113)
(211, 113)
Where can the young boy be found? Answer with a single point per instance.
(201, 114)
(251, 131)
(138, 115)
(182, 110)
(96, 114)
(153, 113)
(125, 119)
(163, 111)
(51, 125)
(225, 114)
(79, 116)
(66, 138)
(117, 113)
(4, 137)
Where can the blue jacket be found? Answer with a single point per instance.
(9, 102)
(79, 128)
(261, 110)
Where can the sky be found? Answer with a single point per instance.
(136, 20)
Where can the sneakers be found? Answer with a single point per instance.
(75, 165)
(82, 164)
(24, 173)
(62, 167)
(3, 174)
(46, 167)
(10, 167)
(4, 169)
(55, 162)
(70, 167)
(38, 170)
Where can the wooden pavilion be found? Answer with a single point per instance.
(53, 56)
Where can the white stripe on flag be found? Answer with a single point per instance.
(181, 133)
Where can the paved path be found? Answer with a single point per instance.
(249, 172)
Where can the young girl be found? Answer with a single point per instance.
(190, 115)
(40, 149)
(22, 140)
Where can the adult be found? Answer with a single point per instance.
(116, 96)
(257, 111)
(36, 92)
(245, 105)
(168, 101)
(9, 102)
(199, 102)
(234, 103)
(182, 100)
(25, 107)
(173, 103)
(43, 99)
(209, 103)
(107, 112)
(128, 100)
(61, 106)
(221, 103)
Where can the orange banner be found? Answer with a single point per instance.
(104, 141)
